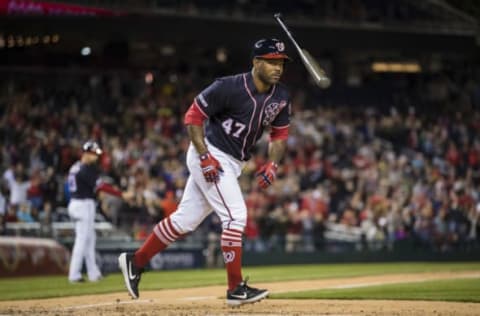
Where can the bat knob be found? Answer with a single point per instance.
(277, 15)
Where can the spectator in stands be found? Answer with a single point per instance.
(3, 230)
(11, 216)
(45, 219)
(318, 232)
(395, 174)
(252, 241)
(34, 191)
(49, 186)
(3, 201)
(18, 185)
(24, 213)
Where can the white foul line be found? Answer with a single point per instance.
(356, 285)
(109, 304)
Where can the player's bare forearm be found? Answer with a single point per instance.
(197, 136)
(276, 149)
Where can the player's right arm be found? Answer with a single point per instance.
(210, 166)
(197, 136)
(207, 103)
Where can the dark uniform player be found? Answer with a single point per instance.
(237, 110)
(83, 184)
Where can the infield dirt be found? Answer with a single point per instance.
(211, 301)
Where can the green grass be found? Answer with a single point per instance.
(56, 286)
(460, 290)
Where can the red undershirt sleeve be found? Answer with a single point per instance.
(279, 133)
(194, 115)
(107, 188)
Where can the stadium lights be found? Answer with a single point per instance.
(167, 50)
(222, 55)
(173, 78)
(86, 51)
(148, 78)
(24, 40)
(10, 42)
(405, 67)
(20, 41)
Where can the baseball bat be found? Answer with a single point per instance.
(317, 73)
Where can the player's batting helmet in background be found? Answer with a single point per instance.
(92, 147)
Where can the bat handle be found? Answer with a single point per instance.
(277, 17)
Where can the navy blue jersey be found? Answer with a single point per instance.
(238, 114)
(82, 180)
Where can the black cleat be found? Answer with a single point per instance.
(131, 274)
(244, 294)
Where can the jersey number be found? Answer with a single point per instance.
(230, 124)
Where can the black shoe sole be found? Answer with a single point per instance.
(239, 302)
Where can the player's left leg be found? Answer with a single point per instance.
(93, 272)
(226, 199)
(232, 212)
(80, 218)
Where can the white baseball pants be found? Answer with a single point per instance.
(200, 198)
(82, 212)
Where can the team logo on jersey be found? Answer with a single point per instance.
(271, 112)
(228, 256)
(280, 46)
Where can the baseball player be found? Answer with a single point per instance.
(236, 110)
(83, 184)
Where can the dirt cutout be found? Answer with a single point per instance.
(210, 301)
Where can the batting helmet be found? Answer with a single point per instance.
(270, 48)
(92, 147)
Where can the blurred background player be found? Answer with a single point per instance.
(237, 108)
(83, 184)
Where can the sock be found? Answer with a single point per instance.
(232, 255)
(163, 235)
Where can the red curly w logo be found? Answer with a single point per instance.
(228, 256)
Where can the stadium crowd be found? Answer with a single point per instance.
(397, 173)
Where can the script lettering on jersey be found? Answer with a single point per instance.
(271, 112)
